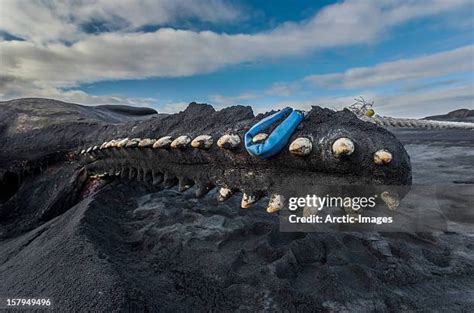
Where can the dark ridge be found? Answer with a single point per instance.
(460, 115)
(127, 110)
(199, 108)
(58, 111)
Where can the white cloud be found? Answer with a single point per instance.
(23, 88)
(172, 107)
(44, 62)
(460, 60)
(427, 102)
(223, 101)
(49, 21)
(282, 89)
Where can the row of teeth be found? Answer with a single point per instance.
(275, 204)
(301, 146)
(276, 201)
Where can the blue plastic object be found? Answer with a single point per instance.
(280, 136)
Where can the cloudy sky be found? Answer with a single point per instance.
(412, 57)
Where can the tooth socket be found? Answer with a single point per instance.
(147, 176)
(228, 142)
(169, 181)
(124, 172)
(157, 178)
(203, 189)
(184, 184)
(342, 147)
(139, 174)
(132, 173)
(301, 147)
(224, 194)
(382, 157)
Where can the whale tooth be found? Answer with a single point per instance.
(382, 157)
(94, 148)
(391, 199)
(169, 181)
(108, 144)
(83, 151)
(301, 146)
(132, 143)
(180, 142)
(157, 178)
(202, 142)
(342, 147)
(228, 142)
(224, 194)
(132, 173)
(112, 143)
(184, 184)
(248, 200)
(147, 142)
(102, 146)
(276, 203)
(163, 142)
(260, 137)
(115, 142)
(203, 189)
(89, 150)
(122, 143)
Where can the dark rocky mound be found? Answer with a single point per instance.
(461, 115)
(127, 110)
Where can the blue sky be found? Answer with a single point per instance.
(413, 58)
